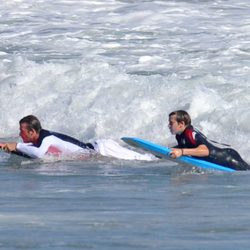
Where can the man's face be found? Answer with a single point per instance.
(26, 135)
(174, 126)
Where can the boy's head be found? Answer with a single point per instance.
(178, 121)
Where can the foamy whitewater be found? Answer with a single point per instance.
(99, 69)
(106, 69)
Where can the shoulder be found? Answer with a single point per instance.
(190, 134)
(46, 133)
(42, 135)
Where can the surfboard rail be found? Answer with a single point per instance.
(164, 152)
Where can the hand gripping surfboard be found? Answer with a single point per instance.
(164, 152)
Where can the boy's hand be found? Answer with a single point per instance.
(176, 152)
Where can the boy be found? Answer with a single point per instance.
(193, 143)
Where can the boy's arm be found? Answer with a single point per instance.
(200, 151)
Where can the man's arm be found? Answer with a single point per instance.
(26, 148)
(200, 151)
(50, 144)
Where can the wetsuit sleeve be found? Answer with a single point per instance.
(32, 151)
(40, 152)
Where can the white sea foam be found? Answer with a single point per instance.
(107, 69)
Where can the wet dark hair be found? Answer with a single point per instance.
(32, 123)
(182, 116)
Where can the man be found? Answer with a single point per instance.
(193, 143)
(38, 142)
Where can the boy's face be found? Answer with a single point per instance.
(174, 126)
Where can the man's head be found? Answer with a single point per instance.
(178, 121)
(30, 128)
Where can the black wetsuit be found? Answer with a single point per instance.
(226, 157)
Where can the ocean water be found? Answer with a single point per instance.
(108, 69)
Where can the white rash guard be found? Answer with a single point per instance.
(50, 144)
(59, 144)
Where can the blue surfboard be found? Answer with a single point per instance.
(164, 152)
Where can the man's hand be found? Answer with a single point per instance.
(8, 147)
